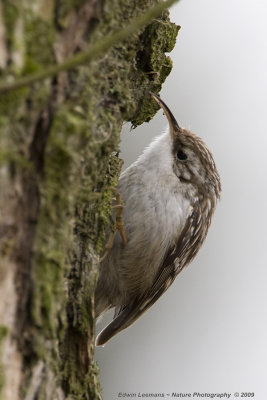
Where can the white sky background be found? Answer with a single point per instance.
(209, 332)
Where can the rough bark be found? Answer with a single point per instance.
(58, 166)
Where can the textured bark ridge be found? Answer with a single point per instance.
(58, 140)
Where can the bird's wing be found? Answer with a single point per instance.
(176, 259)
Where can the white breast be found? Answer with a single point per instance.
(154, 214)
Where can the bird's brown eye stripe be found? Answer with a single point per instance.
(183, 180)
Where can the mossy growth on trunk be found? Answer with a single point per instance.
(58, 168)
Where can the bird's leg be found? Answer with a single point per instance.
(119, 226)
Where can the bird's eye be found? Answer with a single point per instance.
(181, 155)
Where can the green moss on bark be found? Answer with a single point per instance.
(79, 171)
(39, 34)
(11, 12)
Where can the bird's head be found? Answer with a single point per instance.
(193, 163)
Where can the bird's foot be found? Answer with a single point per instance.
(118, 226)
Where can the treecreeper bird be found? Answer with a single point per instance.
(169, 197)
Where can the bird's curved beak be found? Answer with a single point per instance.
(174, 127)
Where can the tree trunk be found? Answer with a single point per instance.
(58, 139)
